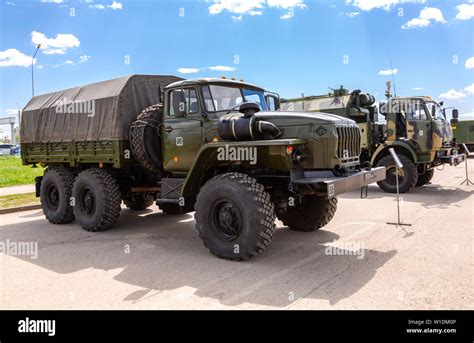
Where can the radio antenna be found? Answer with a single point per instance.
(393, 74)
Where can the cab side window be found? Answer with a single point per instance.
(183, 101)
(416, 111)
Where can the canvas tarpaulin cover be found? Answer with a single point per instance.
(94, 112)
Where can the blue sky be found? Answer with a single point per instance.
(287, 46)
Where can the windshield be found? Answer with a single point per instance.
(435, 110)
(224, 98)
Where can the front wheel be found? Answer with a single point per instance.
(407, 176)
(311, 214)
(234, 216)
(97, 199)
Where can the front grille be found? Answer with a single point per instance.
(348, 146)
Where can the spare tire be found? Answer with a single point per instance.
(145, 141)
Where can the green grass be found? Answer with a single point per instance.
(13, 173)
(17, 200)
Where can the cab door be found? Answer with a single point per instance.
(418, 125)
(181, 130)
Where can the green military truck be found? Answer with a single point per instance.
(208, 145)
(416, 127)
(463, 133)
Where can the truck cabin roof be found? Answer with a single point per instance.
(422, 97)
(206, 80)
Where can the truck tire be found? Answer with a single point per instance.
(139, 201)
(314, 213)
(97, 199)
(425, 178)
(406, 181)
(145, 140)
(235, 217)
(55, 195)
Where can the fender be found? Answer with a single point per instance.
(393, 144)
(207, 158)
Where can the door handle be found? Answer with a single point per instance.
(168, 129)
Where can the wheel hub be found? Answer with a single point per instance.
(53, 196)
(227, 223)
(87, 200)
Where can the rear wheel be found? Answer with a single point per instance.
(234, 216)
(312, 214)
(139, 201)
(96, 200)
(55, 194)
(407, 176)
(425, 178)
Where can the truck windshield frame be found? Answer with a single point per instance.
(220, 99)
(438, 111)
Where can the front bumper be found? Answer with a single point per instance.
(326, 182)
(454, 159)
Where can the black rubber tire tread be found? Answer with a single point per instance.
(108, 199)
(425, 178)
(256, 205)
(150, 116)
(139, 202)
(64, 179)
(409, 168)
(313, 214)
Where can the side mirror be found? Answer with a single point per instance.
(455, 114)
(383, 108)
(273, 101)
(433, 110)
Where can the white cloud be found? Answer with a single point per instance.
(417, 88)
(57, 45)
(452, 94)
(465, 11)
(235, 6)
(466, 116)
(288, 15)
(286, 3)
(39, 67)
(427, 15)
(470, 89)
(97, 6)
(69, 62)
(351, 14)
(222, 68)
(14, 58)
(254, 7)
(188, 70)
(469, 63)
(54, 1)
(388, 71)
(115, 5)
(11, 3)
(367, 5)
(84, 58)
